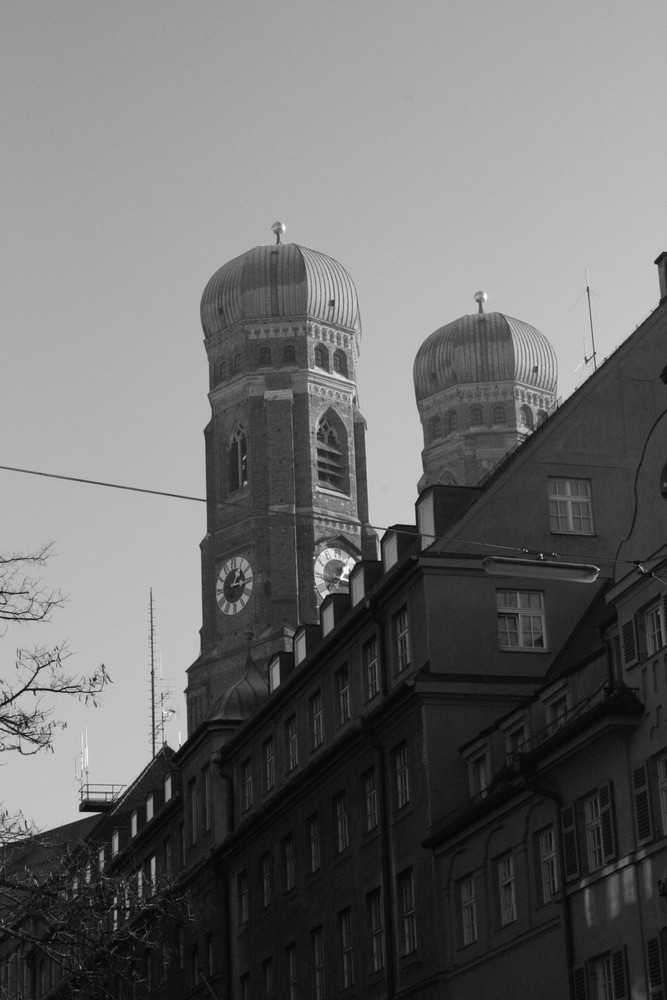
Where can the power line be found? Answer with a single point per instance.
(266, 511)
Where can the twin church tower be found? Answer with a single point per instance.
(287, 496)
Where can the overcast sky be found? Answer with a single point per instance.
(433, 148)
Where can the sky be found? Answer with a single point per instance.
(433, 148)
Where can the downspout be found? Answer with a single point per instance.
(548, 793)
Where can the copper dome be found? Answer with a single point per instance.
(484, 347)
(280, 281)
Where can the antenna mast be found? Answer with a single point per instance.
(151, 639)
(593, 356)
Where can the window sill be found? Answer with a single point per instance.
(523, 649)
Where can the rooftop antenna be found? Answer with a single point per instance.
(593, 356)
(151, 639)
(81, 772)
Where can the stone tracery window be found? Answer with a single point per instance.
(238, 458)
(331, 456)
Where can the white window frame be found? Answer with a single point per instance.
(507, 890)
(267, 881)
(654, 627)
(402, 640)
(402, 776)
(662, 790)
(408, 912)
(314, 843)
(269, 764)
(342, 827)
(479, 773)
(290, 863)
(376, 921)
(521, 620)
(372, 664)
(246, 783)
(291, 743)
(593, 823)
(570, 506)
(371, 798)
(346, 947)
(316, 721)
(343, 693)
(317, 936)
(548, 864)
(468, 910)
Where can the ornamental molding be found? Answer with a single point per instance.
(326, 392)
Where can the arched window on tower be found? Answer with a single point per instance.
(452, 420)
(340, 363)
(238, 459)
(476, 419)
(435, 428)
(541, 417)
(289, 354)
(499, 414)
(526, 416)
(265, 356)
(332, 455)
(238, 362)
(321, 357)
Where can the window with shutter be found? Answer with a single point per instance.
(654, 965)
(629, 633)
(619, 974)
(640, 788)
(607, 823)
(579, 991)
(569, 834)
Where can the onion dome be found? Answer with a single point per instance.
(280, 281)
(484, 347)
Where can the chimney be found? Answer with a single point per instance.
(661, 261)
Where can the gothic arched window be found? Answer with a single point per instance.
(331, 455)
(321, 357)
(265, 355)
(499, 414)
(452, 420)
(476, 416)
(238, 459)
(435, 429)
(340, 363)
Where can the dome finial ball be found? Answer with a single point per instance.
(278, 228)
(480, 299)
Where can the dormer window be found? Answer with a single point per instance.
(150, 806)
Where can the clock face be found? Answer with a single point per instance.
(332, 571)
(234, 585)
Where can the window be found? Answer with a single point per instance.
(478, 774)
(588, 832)
(402, 640)
(267, 978)
(192, 800)
(654, 627)
(376, 927)
(603, 978)
(316, 734)
(557, 710)
(345, 933)
(371, 797)
(593, 820)
(340, 363)
(662, 791)
(150, 806)
(292, 973)
(168, 787)
(520, 619)
(406, 895)
(244, 986)
(313, 833)
(265, 878)
(476, 419)
(499, 416)
(291, 744)
(289, 354)
(452, 420)
(168, 857)
(238, 362)
(343, 693)
(570, 507)
(342, 830)
(238, 459)
(265, 355)
(151, 872)
(515, 741)
(402, 776)
(246, 783)
(507, 890)
(548, 864)
(435, 428)
(331, 457)
(134, 822)
(289, 862)
(468, 910)
(243, 897)
(321, 356)
(371, 668)
(222, 371)
(206, 796)
(268, 762)
(317, 939)
(526, 417)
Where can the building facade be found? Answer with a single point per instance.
(440, 772)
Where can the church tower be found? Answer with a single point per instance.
(285, 458)
(482, 383)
